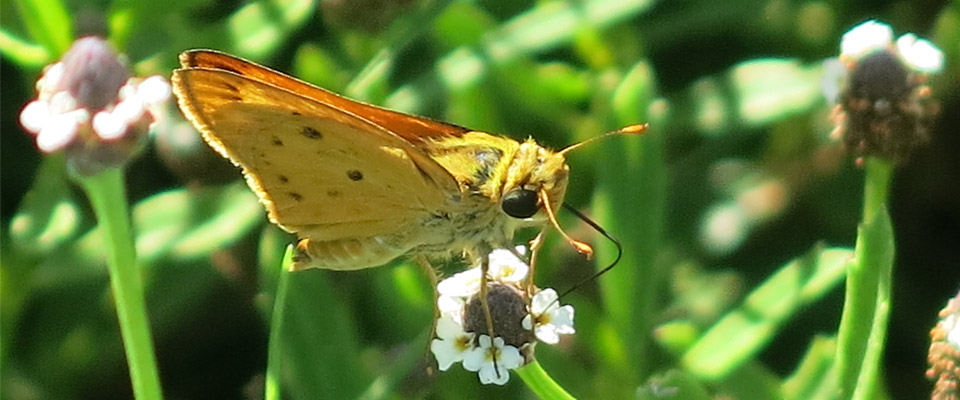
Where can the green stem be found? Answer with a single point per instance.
(272, 383)
(541, 384)
(107, 196)
(863, 325)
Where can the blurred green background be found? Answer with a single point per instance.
(736, 178)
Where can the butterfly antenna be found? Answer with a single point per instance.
(581, 247)
(635, 129)
(603, 232)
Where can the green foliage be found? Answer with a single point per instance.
(737, 213)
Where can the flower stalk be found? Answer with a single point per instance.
(863, 325)
(540, 383)
(107, 196)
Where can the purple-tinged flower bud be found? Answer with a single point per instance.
(90, 108)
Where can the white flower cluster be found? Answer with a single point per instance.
(918, 54)
(492, 358)
(58, 117)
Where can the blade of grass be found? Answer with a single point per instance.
(272, 388)
(632, 179)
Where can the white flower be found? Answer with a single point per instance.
(920, 54)
(865, 38)
(505, 266)
(547, 319)
(461, 284)
(453, 343)
(492, 360)
(451, 306)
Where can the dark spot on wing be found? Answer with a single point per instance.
(355, 175)
(296, 113)
(311, 133)
(276, 141)
(228, 68)
(283, 179)
(333, 193)
(296, 196)
(234, 92)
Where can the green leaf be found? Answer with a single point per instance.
(744, 331)
(259, 28)
(48, 22)
(814, 373)
(28, 55)
(185, 224)
(48, 215)
(321, 352)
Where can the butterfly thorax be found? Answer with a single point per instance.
(486, 168)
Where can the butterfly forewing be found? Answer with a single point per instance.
(411, 128)
(358, 177)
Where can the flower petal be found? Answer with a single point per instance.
(445, 353)
(448, 328)
(563, 320)
(461, 284)
(108, 125)
(60, 131)
(491, 373)
(865, 38)
(922, 55)
(547, 333)
(154, 90)
(34, 116)
(543, 301)
(474, 359)
(527, 322)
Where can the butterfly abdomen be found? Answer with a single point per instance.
(346, 254)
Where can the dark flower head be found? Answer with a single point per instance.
(884, 109)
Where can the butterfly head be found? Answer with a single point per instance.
(536, 178)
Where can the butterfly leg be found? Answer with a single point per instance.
(535, 246)
(431, 273)
(484, 267)
(434, 278)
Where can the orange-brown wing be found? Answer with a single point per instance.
(319, 170)
(409, 127)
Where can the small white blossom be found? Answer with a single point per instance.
(461, 284)
(452, 344)
(865, 38)
(502, 266)
(451, 306)
(920, 54)
(547, 319)
(505, 266)
(492, 360)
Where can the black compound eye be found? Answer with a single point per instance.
(520, 203)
